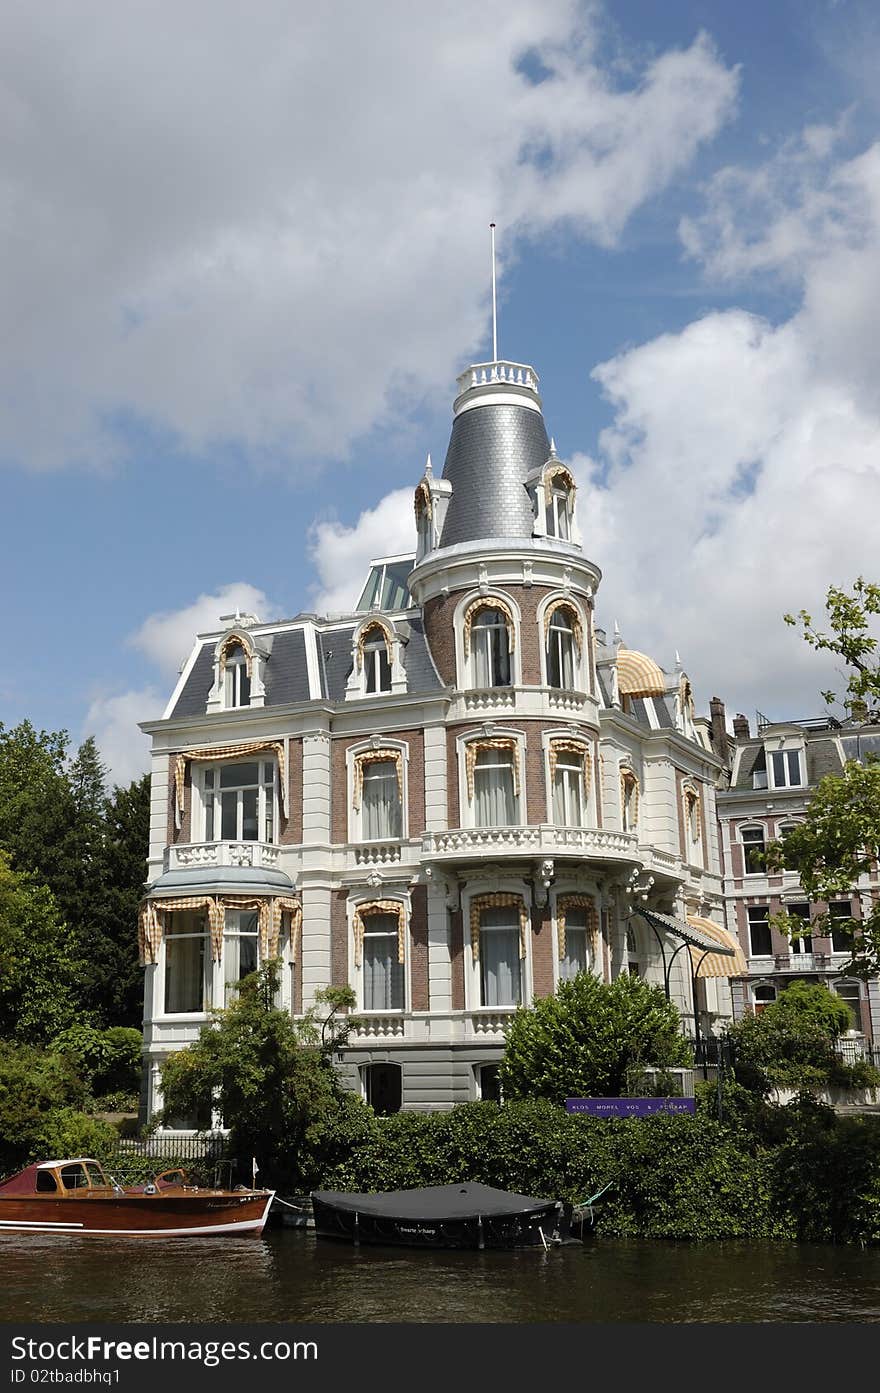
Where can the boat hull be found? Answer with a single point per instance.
(138, 1215)
(473, 1231)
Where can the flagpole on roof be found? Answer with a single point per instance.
(494, 302)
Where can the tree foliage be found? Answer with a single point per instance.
(39, 974)
(41, 1097)
(272, 1079)
(585, 1040)
(849, 619)
(58, 826)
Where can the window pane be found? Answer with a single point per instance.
(184, 973)
(494, 802)
(383, 974)
(229, 818)
(381, 801)
(237, 775)
(250, 825)
(759, 932)
(753, 848)
(500, 964)
(794, 767)
(576, 945)
(841, 933)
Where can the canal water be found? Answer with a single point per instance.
(289, 1276)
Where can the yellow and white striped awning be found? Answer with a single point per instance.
(638, 675)
(707, 964)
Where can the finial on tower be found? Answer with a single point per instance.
(552, 448)
(428, 467)
(494, 302)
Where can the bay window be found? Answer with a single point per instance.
(240, 950)
(239, 802)
(568, 789)
(186, 961)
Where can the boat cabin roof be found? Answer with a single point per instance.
(45, 1177)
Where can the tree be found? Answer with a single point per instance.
(273, 1082)
(585, 1040)
(40, 1099)
(810, 1001)
(839, 840)
(39, 974)
(791, 1042)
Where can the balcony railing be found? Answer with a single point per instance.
(479, 374)
(802, 962)
(536, 840)
(190, 854)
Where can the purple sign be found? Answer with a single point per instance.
(628, 1107)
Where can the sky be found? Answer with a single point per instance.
(245, 253)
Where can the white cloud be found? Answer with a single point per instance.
(740, 476)
(261, 223)
(167, 638)
(114, 723)
(341, 555)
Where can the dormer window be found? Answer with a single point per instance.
(557, 514)
(377, 668)
(236, 665)
(785, 768)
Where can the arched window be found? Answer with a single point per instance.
(491, 648)
(691, 809)
(492, 771)
(377, 794)
(377, 665)
(559, 494)
(577, 928)
(629, 800)
(753, 850)
(383, 1087)
(569, 781)
(561, 650)
(379, 954)
(236, 675)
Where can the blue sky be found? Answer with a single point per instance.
(243, 265)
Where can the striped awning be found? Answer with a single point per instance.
(638, 675)
(717, 963)
(692, 934)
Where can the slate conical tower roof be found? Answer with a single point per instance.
(498, 439)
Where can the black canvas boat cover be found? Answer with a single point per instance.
(433, 1202)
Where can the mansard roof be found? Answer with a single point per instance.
(286, 669)
(494, 446)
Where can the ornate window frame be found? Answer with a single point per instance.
(356, 687)
(559, 599)
(465, 611)
(629, 779)
(256, 653)
(369, 752)
(564, 897)
(692, 821)
(359, 907)
(489, 736)
(543, 486)
(555, 742)
(480, 894)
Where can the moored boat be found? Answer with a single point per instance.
(438, 1216)
(75, 1196)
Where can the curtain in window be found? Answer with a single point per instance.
(500, 962)
(184, 974)
(151, 923)
(377, 756)
(498, 899)
(381, 801)
(219, 753)
(383, 970)
(576, 957)
(488, 602)
(567, 802)
(629, 796)
(474, 748)
(568, 609)
(575, 750)
(494, 798)
(365, 911)
(583, 905)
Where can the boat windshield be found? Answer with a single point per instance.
(83, 1175)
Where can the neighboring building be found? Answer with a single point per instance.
(451, 798)
(773, 776)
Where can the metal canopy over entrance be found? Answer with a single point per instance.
(691, 937)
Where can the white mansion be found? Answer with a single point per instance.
(451, 798)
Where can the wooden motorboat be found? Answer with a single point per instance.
(75, 1196)
(438, 1216)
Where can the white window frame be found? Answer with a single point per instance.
(580, 658)
(235, 678)
(208, 794)
(208, 971)
(355, 815)
(806, 937)
(785, 753)
(628, 823)
(559, 508)
(356, 970)
(465, 665)
(473, 970)
(752, 827)
(467, 805)
(766, 920)
(237, 933)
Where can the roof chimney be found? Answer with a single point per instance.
(741, 726)
(718, 725)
